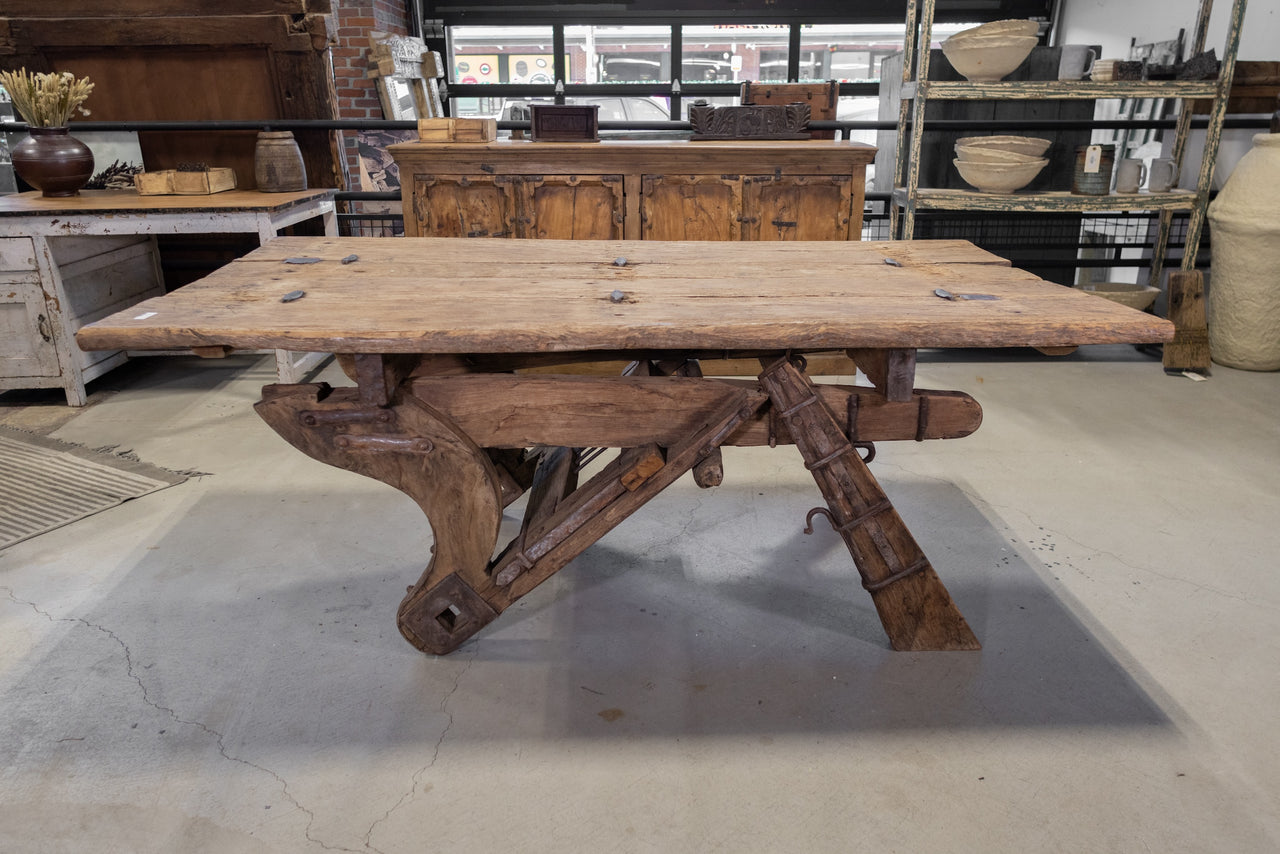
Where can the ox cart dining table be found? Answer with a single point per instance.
(468, 390)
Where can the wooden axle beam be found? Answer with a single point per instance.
(511, 411)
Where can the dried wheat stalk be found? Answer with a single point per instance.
(46, 100)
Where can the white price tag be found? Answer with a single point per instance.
(1093, 159)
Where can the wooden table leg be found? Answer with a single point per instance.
(914, 607)
(422, 452)
(417, 450)
(554, 535)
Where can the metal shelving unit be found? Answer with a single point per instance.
(917, 89)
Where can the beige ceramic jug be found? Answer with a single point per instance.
(1244, 285)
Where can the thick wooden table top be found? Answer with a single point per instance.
(455, 295)
(128, 201)
(668, 156)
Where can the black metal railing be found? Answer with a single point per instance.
(1104, 240)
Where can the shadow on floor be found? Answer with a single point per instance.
(281, 626)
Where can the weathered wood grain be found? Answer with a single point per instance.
(107, 202)
(512, 411)
(892, 372)
(1189, 349)
(413, 448)
(674, 189)
(1049, 90)
(822, 99)
(664, 157)
(161, 8)
(437, 296)
(914, 606)
(279, 32)
(604, 501)
(1051, 202)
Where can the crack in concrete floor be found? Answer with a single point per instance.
(218, 738)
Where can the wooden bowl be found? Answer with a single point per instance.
(1126, 293)
(999, 177)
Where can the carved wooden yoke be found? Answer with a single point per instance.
(466, 444)
(463, 399)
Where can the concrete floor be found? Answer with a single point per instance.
(215, 667)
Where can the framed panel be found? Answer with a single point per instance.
(573, 207)
(464, 206)
(691, 207)
(798, 207)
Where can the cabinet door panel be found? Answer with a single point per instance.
(691, 207)
(805, 207)
(573, 207)
(463, 206)
(17, 253)
(26, 334)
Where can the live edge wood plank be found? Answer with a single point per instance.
(681, 295)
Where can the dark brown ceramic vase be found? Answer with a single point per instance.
(53, 161)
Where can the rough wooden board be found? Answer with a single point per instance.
(1189, 349)
(1028, 90)
(645, 259)
(510, 411)
(128, 201)
(161, 8)
(1052, 202)
(278, 32)
(442, 296)
(669, 157)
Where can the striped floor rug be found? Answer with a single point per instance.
(45, 484)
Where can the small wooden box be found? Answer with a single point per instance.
(171, 182)
(565, 122)
(457, 130)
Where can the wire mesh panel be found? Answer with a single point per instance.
(371, 219)
(1064, 248)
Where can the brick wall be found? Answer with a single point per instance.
(357, 94)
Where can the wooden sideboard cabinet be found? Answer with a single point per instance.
(635, 189)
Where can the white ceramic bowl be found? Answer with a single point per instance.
(990, 154)
(1030, 145)
(986, 64)
(999, 177)
(997, 40)
(1011, 27)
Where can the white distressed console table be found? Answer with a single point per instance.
(67, 262)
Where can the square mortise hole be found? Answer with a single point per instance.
(449, 617)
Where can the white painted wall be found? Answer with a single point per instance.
(1112, 23)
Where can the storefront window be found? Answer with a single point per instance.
(851, 53)
(734, 52)
(611, 54)
(641, 54)
(480, 55)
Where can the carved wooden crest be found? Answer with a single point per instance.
(759, 121)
